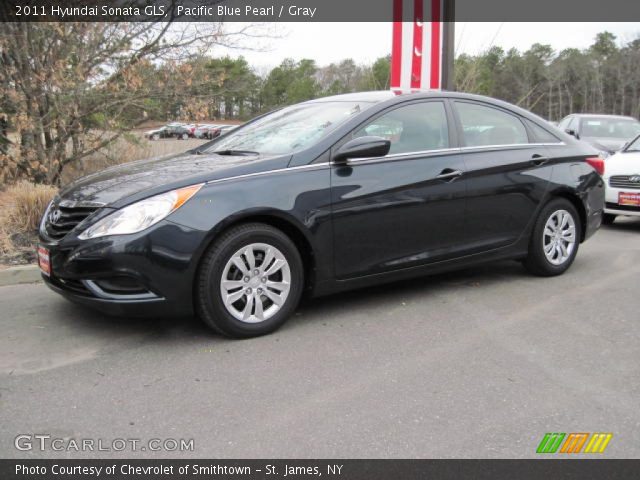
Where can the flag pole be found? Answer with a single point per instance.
(448, 40)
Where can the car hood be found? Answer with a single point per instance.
(129, 182)
(606, 144)
(623, 163)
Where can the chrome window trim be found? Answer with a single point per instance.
(510, 146)
(444, 151)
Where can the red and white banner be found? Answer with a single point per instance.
(418, 46)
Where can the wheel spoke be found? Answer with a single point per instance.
(259, 310)
(563, 249)
(274, 297)
(234, 297)
(240, 265)
(549, 231)
(558, 255)
(569, 234)
(548, 248)
(232, 284)
(248, 308)
(251, 259)
(281, 286)
(268, 258)
(277, 265)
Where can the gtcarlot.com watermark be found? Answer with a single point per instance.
(47, 443)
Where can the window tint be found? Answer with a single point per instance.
(489, 126)
(414, 128)
(541, 135)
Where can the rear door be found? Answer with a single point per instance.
(404, 209)
(508, 173)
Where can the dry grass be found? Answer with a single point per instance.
(21, 207)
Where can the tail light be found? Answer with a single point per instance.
(597, 163)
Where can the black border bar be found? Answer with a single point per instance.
(547, 468)
(323, 10)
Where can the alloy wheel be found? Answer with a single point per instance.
(559, 237)
(255, 283)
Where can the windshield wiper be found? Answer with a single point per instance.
(235, 152)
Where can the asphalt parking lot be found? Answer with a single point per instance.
(479, 363)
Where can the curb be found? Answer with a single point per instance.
(18, 275)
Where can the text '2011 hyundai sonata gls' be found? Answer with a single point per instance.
(327, 195)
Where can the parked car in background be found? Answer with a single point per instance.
(207, 131)
(224, 129)
(180, 132)
(305, 199)
(606, 133)
(622, 179)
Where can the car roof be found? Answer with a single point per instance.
(391, 97)
(600, 115)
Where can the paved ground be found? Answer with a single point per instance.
(479, 363)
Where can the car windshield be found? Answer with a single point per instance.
(603, 127)
(290, 129)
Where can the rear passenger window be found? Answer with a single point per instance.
(413, 128)
(483, 126)
(541, 135)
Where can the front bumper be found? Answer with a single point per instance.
(148, 273)
(612, 206)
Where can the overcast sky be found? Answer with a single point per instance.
(364, 42)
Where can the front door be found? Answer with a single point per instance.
(404, 209)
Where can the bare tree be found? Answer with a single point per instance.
(72, 88)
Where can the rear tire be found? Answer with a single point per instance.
(555, 239)
(185, 136)
(250, 281)
(155, 136)
(608, 219)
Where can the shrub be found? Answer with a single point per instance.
(21, 207)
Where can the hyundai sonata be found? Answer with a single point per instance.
(327, 195)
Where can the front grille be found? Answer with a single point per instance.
(61, 220)
(623, 181)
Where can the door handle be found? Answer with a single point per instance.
(538, 160)
(449, 174)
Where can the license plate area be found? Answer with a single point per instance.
(629, 198)
(44, 261)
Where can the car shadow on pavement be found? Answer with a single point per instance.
(628, 224)
(85, 321)
(420, 288)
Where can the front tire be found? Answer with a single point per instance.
(185, 136)
(555, 239)
(250, 281)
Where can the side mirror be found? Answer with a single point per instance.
(362, 147)
(572, 132)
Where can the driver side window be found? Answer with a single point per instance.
(412, 128)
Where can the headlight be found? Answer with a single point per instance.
(140, 215)
(603, 154)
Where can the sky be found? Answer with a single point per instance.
(364, 42)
